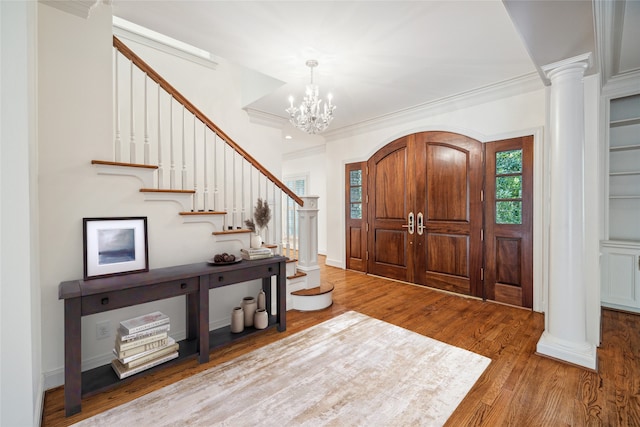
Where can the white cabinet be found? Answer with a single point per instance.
(620, 275)
(620, 281)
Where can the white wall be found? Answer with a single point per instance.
(76, 116)
(21, 386)
(313, 166)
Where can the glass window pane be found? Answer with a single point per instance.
(508, 212)
(509, 187)
(356, 194)
(355, 177)
(508, 162)
(356, 210)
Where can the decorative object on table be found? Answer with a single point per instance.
(142, 343)
(237, 320)
(261, 319)
(249, 306)
(262, 298)
(257, 253)
(260, 221)
(114, 246)
(224, 258)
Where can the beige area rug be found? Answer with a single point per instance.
(351, 370)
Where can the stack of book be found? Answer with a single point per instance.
(256, 253)
(142, 343)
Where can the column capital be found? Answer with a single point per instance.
(581, 62)
(310, 203)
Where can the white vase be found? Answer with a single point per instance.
(256, 240)
(262, 300)
(237, 320)
(261, 319)
(249, 306)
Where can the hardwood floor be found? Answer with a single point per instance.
(519, 388)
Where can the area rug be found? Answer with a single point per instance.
(350, 370)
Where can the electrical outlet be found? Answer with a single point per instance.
(103, 329)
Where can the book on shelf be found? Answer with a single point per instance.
(161, 352)
(123, 372)
(139, 342)
(256, 251)
(124, 358)
(256, 256)
(124, 337)
(146, 321)
(151, 345)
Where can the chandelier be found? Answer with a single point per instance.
(311, 117)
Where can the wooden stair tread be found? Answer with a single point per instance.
(298, 274)
(266, 245)
(319, 290)
(159, 190)
(291, 260)
(128, 165)
(236, 231)
(203, 213)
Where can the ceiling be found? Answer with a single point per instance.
(379, 58)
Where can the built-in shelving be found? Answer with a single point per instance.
(620, 266)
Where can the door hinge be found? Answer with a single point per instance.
(367, 253)
(367, 170)
(481, 273)
(482, 195)
(367, 199)
(482, 235)
(367, 227)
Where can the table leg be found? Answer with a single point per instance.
(72, 356)
(203, 319)
(281, 289)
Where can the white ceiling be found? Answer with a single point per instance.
(381, 57)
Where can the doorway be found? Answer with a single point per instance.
(422, 215)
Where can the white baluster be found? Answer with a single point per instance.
(183, 176)
(117, 142)
(243, 201)
(206, 171)
(215, 171)
(225, 183)
(146, 123)
(132, 141)
(172, 170)
(235, 178)
(195, 169)
(160, 168)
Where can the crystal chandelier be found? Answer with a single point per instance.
(310, 117)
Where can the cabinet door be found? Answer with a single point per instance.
(621, 278)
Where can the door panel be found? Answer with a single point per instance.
(509, 221)
(356, 215)
(449, 254)
(389, 200)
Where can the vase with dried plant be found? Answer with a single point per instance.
(259, 222)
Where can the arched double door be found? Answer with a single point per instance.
(423, 211)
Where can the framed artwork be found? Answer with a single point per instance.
(114, 246)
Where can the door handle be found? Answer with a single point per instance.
(420, 225)
(410, 223)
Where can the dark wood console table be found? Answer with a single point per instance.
(82, 298)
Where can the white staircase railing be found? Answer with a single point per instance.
(191, 153)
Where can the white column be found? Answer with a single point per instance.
(565, 335)
(308, 248)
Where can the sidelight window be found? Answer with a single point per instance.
(509, 187)
(355, 193)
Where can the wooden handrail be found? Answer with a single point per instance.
(129, 54)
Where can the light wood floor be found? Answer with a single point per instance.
(518, 388)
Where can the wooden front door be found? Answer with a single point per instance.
(448, 204)
(425, 212)
(509, 221)
(356, 216)
(390, 202)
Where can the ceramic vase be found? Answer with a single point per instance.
(237, 320)
(256, 240)
(262, 300)
(261, 319)
(249, 306)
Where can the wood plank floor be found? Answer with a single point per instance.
(518, 388)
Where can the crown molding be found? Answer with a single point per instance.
(311, 151)
(266, 119)
(512, 87)
(81, 8)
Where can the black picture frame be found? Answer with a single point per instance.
(114, 246)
